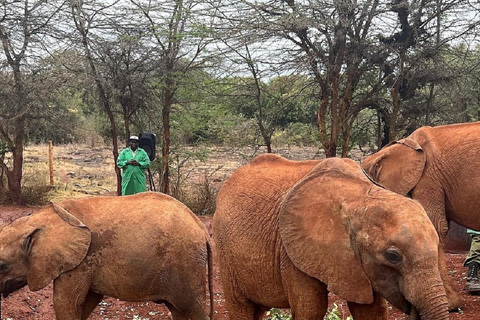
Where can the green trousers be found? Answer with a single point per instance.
(474, 253)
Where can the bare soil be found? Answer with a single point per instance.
(25, 304)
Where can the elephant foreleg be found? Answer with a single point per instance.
(308, 297)
(69, 295)
(377, 310)
(91, 301)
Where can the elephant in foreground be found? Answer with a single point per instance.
(289, 232)
(144, 247)
(440, 168)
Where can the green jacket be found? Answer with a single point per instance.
(133, 177)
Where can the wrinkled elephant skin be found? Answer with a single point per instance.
(145, 247)
(439, 167)
(288, 232)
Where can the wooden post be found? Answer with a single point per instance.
(50, 161)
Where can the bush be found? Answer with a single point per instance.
(35, 190)
(199, 197)
(300, 134)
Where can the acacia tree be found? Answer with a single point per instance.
(85, 17)
(272, 100)
(119, 63)
(181, 33)
(357, 55)
(131, 65)
(332, 42)
(24, 30)
(413, 54)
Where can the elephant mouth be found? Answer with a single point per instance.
(401, 303)
(12, 285)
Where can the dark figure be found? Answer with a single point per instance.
(473, 263)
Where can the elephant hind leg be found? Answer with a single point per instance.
(91, 301)
(377, 310)
(176, 314)
(242, 310)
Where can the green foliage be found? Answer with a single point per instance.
(279, 314)
(3, 149)
(61, 126)
(300, 134)
(334, 314)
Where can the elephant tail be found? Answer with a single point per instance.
(210, 278)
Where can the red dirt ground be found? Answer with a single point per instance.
(25, 304)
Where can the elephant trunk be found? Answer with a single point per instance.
(430, 300)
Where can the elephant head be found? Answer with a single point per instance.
(36, 249)
(398, 166)
(363, 238)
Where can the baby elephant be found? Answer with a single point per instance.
(145, 247)
(289, 232)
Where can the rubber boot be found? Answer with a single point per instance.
(473, 282)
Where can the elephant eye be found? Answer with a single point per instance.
(3, 266)
(393, 255)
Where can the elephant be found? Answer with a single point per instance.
(143, 247)
(438, 167)
(289, 232)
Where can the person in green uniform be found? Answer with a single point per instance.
(473, 263)
(133, 161)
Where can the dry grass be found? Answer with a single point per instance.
(81, 170)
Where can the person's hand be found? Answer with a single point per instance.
(133, 162)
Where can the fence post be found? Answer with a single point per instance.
(50, 161)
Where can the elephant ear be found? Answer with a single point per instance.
(58, 247)
(398, 166)
(316, 236)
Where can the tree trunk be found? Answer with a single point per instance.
(126, 120)
(266, 137)
(167, 107)
(165, 149)
(346, 137)
(429, 105)
(392, 121)
(14, 186)
(113, 127)
(14, 176)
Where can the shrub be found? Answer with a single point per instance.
(35, 189)
(300, 134)
(199, 197)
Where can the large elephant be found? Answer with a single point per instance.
(288, 232)
(440, 168)
(145, 247)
